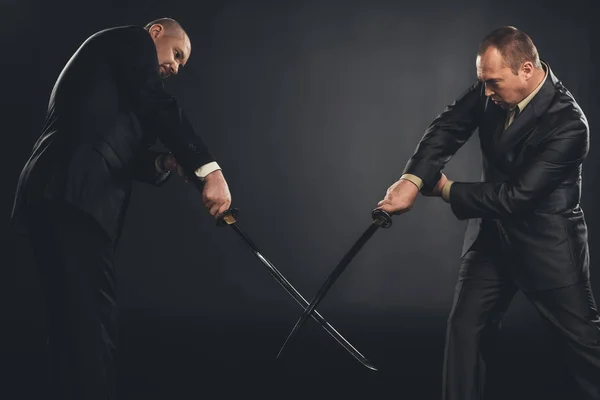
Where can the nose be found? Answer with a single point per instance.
(174, 69)
(488, 91)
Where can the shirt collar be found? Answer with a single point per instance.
(528, 99)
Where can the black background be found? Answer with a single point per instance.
(312, 109)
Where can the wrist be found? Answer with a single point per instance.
(446, 191)
(206, 170)
(415, 180)
(214, 175)
(411, 183)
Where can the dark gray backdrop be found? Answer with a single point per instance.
(312, 109)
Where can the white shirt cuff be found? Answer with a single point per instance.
(207, 169)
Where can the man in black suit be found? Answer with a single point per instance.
(107, 108)
(526, 230)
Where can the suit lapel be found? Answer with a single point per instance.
(505, 142)
(492, 128)
(497, 116)
(517, 131)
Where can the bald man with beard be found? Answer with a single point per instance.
(107, 108)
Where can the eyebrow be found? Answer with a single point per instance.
(491, 80)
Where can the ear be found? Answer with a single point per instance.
(156, 30)
(527, 69)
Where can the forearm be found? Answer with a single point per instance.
(559, 159)
(158, 111)
(448, 132)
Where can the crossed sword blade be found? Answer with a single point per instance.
(380, 219)
(228, 218)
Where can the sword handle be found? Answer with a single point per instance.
(382, 217)
(228, 217)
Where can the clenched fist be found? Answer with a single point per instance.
(215, 195)
(399, 197)
(215, 192)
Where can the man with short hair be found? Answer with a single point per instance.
(107, 108)
(526, 230)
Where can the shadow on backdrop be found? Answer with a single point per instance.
(312, 109)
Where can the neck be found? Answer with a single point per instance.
(536, 79)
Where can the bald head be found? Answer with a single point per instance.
(171, 27)
(173, 46)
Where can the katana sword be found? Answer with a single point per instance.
(228, 218)
(380, 219)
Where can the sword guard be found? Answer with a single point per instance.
(228, 217)
(383, 217)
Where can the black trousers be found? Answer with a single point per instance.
(75, 260)
(483, 294)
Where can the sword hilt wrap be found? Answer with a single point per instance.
(228, 217)
(384, 219)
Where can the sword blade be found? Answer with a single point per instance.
(380, 218)
(301, 300)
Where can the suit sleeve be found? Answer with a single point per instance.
(559, 156)
(448, 132)
(158, 111)
(145, 169)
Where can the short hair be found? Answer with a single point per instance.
(515, 46)
(169, 23)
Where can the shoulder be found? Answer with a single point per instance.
(122, 35)
(564, 113)
(126, 42)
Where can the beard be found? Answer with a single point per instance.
(163, 72)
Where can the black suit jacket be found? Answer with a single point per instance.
(107, 108)
(531, 183)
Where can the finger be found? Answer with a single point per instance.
(384, 201)
(209, 199)
(224, 207)
(214, 209)
(385, 207)
(390, 208)
(399, 211)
